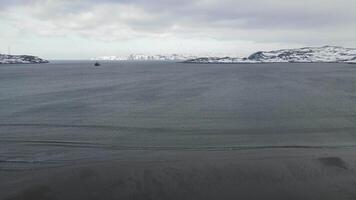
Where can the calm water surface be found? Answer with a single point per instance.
(69, 111)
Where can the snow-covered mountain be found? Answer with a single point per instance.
(226, 59)
(306, 54)
(109, 58)
(143, 57)
(20, 59)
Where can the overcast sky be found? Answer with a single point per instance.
(81, 29)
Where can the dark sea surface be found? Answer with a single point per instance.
(63, 112)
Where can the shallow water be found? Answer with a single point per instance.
(63, 112)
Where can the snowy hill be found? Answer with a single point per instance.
(20, 59)
(306, 54)
(143, 57)
(108, 58)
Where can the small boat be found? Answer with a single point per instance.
(97, 64)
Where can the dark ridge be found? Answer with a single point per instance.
(256, 56)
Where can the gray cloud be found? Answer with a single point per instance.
(160, 14)
(273, 21)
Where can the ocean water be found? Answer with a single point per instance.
(64, 112)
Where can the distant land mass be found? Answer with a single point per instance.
(143, 57)
(20, 59)
(327, 54)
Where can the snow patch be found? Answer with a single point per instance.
(329, 54)
(20, 59)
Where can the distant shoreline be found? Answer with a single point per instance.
(250, 63)
(21, 59)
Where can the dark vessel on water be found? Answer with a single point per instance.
(97, 64)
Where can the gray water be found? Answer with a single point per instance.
(68, 111)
